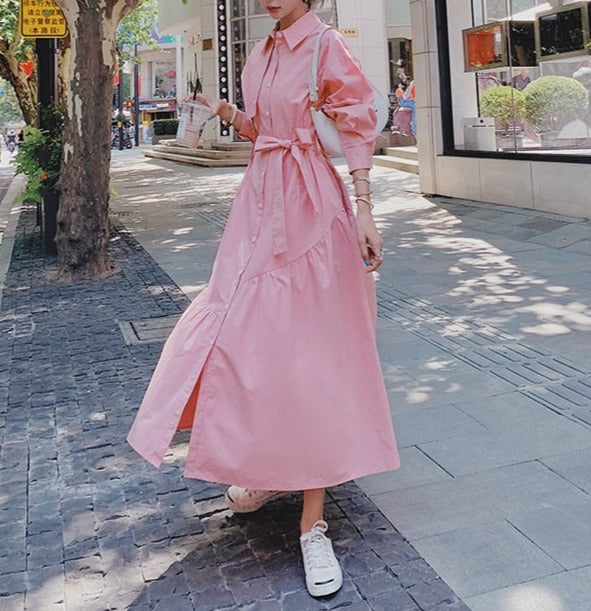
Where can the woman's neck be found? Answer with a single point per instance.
(292, 17)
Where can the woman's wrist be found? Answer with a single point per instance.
(364, 204)
(362, 185)
(229, 113)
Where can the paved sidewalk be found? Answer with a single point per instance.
(485, 315)
(484, 331)
(85, 524)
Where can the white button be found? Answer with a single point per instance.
(253, 239)
(262, 175)
(267, 113)
(260, 205)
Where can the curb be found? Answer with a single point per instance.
(9, 216)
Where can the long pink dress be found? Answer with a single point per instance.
(279, 350)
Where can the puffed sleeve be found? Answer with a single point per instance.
(347, 98)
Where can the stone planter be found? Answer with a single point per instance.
(51, 202)
(158, 139)
(509, 140)
(388, 138)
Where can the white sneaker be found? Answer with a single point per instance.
(323, 573)
(245, 500)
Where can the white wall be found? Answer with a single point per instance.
(207, 60)
(370, 47)
(464, 98)
(426, 73)
(397, 11)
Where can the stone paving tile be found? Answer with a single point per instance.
(549, 378)
(88, 525)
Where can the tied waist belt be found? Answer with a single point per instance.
(305, 139)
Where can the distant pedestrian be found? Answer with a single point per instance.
(406, 99)
(522, 80)
(274, 366)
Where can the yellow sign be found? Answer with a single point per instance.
(350, 32)
(42, 19)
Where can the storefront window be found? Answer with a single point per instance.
(401, 65)
(164, 79)
(520, 74)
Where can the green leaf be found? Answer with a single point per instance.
(137, 29)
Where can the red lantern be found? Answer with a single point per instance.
(171, 73)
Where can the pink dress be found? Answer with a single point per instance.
(274, 366)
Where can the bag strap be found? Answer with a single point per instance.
(313, 84)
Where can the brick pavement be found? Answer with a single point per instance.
(85, 524)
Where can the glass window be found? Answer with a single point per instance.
(164, 79)
(520, 76)
(238, 29)
(255, 8)
(259, 27)
(401, 65)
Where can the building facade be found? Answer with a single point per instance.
(539, 155)
(157, 83)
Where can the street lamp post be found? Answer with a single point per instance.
(136, 98)
(45, 49)
(120, 115)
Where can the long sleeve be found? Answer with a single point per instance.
(247, 130)
(348, 99)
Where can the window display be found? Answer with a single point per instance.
(563, 33)
(485, 47)
(521, 72)
(164, 79)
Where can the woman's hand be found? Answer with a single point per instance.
(370, 240)
(227, 112)
(216, 106)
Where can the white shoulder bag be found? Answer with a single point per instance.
(325, 126)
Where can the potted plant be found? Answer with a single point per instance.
(39, 158)
(507, 105)
(553, 101)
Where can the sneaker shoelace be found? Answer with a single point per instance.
(317, 551)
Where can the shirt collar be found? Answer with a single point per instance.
(296, 32)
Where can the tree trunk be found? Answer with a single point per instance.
(83, 221)
(63, 71)
(25, 88)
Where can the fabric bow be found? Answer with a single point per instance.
(298, 148)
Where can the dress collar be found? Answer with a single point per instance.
(296, 32)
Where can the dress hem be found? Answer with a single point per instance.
(206, 476)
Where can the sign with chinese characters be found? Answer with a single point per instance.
(42, 19)
(350, 32)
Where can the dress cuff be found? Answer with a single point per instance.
(247, 130)
(359, 157)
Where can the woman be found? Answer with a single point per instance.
(274, 366)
